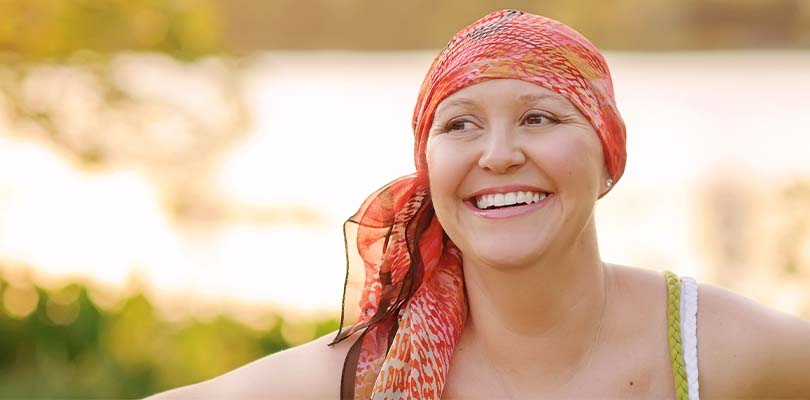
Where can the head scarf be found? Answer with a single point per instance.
(413, 304)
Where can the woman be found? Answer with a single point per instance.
(517, 136)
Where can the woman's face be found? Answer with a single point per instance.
(495, 149)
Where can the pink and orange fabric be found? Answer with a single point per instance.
(413, 305)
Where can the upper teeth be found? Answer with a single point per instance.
(508, 199)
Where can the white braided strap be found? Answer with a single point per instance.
(689, 295)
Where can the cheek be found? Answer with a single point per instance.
(571, 160)
(446, 170)
(439, 172)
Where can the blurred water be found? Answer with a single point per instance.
(329, 128)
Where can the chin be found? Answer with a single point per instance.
(510, 254)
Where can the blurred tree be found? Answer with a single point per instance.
(734, 221)
(795, 238)
(65, 80)
(134, 110)
(610, 24)
(127, 353)
(49, 29)
(39, 29)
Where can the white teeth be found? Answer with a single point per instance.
(484, 202)
(508, 199)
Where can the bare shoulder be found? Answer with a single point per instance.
(745, 349)
(748, 350)
(308, 371)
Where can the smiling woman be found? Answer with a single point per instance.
(483, 277)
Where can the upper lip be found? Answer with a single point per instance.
(507, 189)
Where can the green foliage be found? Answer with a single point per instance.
(68, 347)
(58, 28)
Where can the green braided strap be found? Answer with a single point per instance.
(674, 331)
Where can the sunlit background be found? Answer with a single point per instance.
(174, 174)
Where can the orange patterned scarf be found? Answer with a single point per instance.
(413, 306)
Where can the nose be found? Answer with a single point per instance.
(503, 151)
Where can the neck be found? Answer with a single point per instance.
(550, 310)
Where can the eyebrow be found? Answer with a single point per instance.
(459, 102)
(535, 98)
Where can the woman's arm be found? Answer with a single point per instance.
(746, 350)
(309, 371)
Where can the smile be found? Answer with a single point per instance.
(498, 206)
(498, 200)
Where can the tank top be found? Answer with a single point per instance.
(682, 331)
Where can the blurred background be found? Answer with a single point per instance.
(174, 174)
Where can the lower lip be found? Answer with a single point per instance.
(509, 212)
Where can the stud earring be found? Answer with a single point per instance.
(609, 182)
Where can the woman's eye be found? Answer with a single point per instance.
(538, 119)
(460, 125)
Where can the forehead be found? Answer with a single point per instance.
(511, 91)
